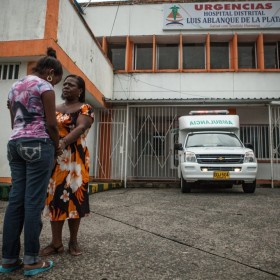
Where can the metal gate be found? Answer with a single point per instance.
(109, 144)
(274, 120)
(110, 161)
(136, 143)
(150, 141)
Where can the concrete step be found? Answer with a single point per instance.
(92, 187)
(4, 191)
(100, 187)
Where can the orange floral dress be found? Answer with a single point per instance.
(67, 195)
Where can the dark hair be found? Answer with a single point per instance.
(49, 62)
(81, 85)
(27, 116)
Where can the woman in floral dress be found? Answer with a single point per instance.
(67, 197)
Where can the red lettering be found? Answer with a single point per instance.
(198, 7)
(236, 7)
(227, 7)
(259, 7)
(207, 7)
(233, 6)
(218, 7)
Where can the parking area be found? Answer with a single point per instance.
(160, 233)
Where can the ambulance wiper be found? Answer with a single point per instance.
(195, 146)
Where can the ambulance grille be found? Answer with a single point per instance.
(220, 168)
(219, 159)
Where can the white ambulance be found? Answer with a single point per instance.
(211, 152)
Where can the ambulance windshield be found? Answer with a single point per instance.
(213, 140)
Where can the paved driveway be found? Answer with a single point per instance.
(160, 233)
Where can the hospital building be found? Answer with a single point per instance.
(146, 63)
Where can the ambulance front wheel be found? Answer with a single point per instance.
(185, 187)
(249, 187)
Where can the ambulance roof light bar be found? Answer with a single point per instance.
(210, 112)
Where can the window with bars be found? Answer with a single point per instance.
(9, 71)
(194, 56)
(247, 55)
(271, 55)
(219, 55)
(167, 56)
(116, 54)
(143, 56)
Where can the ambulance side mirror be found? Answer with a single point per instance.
(178, 146)
(249, 146)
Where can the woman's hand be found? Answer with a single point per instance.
(62, 144)
(59, 150)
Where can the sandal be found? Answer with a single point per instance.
(11, 267)
(42, 268)
(51, 250)
(74, 249)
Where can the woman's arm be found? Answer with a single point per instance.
(83, 123)
(48, 99)
(11, 114)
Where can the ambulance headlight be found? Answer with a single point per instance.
(189, 157)
(249, 157)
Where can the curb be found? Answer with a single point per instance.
(4, 191)
(100, 187)
(92, 188)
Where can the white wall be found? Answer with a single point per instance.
(125, 20)
(22, 19)
(196, 85)
(264, 171)
(77, 42)
(253, 115)
(6, 130)
(136, 20)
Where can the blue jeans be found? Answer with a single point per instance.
(31, 161)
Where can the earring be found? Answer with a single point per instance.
(49, 78)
